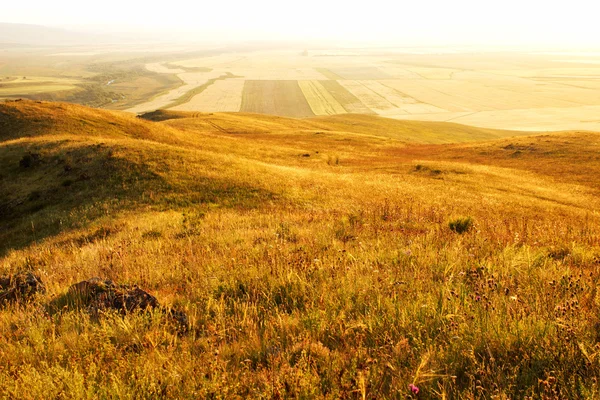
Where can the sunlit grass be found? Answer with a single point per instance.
(301, 277)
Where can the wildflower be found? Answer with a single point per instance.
(478, 298)
(414, 389)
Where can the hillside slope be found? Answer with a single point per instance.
(315, 258)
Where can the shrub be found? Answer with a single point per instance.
(461, 225)
(29, 160)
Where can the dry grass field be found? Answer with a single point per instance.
(344, 256)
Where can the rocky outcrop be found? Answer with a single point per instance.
(97, 294)
(93, 295)
(105, 294)
(21, 286)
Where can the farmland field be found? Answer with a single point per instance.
(507, 90)
(223, 95)
(350, 102)
(283, 98)
(192, 80)
(15, 86)
(360, 73)
(111, 77)
(371, 99)
(319, 99)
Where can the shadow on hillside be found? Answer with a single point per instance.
(163, 115)
(68, 187)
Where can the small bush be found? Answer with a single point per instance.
(424, 168)
(559, 253)
(333, 160)
(29, 160)
(286, 233)
(461, 225)
(35, 195)
(152, 234)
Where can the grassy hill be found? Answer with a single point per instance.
(314, 257)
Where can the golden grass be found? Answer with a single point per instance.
(313, 256)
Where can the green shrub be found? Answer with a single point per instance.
(461, 224)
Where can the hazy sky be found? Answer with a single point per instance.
(572, 23)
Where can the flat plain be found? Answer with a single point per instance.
(504, 90)
(522, 90)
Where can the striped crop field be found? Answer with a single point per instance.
(320, 100)
(350, 102)
(371, 99)
(284, 98)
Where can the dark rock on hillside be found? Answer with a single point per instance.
(105, 294)
(20, 286)
(30, 160)
(97, 294)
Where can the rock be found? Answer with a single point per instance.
(97, 294)
(30, 160)
(20, 286)
(105, 294)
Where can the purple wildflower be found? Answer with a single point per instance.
(414, 389)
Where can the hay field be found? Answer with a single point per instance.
(191, 81)
(26, 85)
(320, 100)
(357, 73)
(368, 97)
(350, 102)
(223, 95)
(283, 98)
(162, 69)
(537, 119)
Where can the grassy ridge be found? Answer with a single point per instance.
(314, 257)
